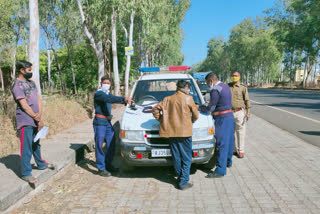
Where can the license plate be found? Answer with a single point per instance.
(160, 153)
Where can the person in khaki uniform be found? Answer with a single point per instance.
(241, 110)
(176, 114)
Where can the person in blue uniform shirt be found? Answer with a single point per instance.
(103, 130)
(221, 110)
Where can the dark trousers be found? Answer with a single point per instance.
(225, 138)
(29, 148)
(181, 149)
(104, 133)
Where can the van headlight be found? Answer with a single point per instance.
(132, 135)
(202, 133)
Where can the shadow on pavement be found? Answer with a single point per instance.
(12, 162)
(80, 150)
(311, 133)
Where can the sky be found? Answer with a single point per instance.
(215, 18)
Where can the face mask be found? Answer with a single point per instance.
(105, 87)
(27, 75)
(211, 86)
(235, 79)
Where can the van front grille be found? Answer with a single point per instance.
(158, 141)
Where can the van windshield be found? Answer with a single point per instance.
(148, 91)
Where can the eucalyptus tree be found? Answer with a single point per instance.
(283, 20)
(94, 16)
(68, 32)
(127, 14)
(49, 11)
(19, 26)
(115, 52)
(159, 33)
(308, 18)
(34, 51)
(6, 34)
(254, 52)
(242, 50)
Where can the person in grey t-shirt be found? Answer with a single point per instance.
(28, 118)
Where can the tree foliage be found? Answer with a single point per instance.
(271, 48)
(157, 38)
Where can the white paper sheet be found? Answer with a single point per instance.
(41, 134)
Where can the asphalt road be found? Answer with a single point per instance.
(297, 112)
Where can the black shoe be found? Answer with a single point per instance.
(104, 173)
(112, 169)
(229, 166)
(214, 175)
(187, 186)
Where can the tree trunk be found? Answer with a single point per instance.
(258, 77)
(315, 73)
(59, 71)
(26, 50)
(146, 59)
(115, 56)
(127, 72)
(308, 74)
(34, 42)
(1, 79)
(72, 70)
(100, 57)
(106, 52)
(293, 70)
(13, 74)
(247, 78)
(263, 77)
(97, 47)
(49, 63)
(305, 71)
(108, 59)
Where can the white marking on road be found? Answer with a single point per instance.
(297, 115)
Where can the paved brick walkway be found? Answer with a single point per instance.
(279, 174)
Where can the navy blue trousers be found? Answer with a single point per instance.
(29, 148)
(224, 127)
(181, 149)
(104, 133)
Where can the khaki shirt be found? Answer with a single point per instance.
(240, 97)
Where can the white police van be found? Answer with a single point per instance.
(140, 142)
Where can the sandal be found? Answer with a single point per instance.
(49, 166)
(30, 179)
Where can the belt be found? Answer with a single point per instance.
(221, 112)
(104, 117)
(237, 109)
